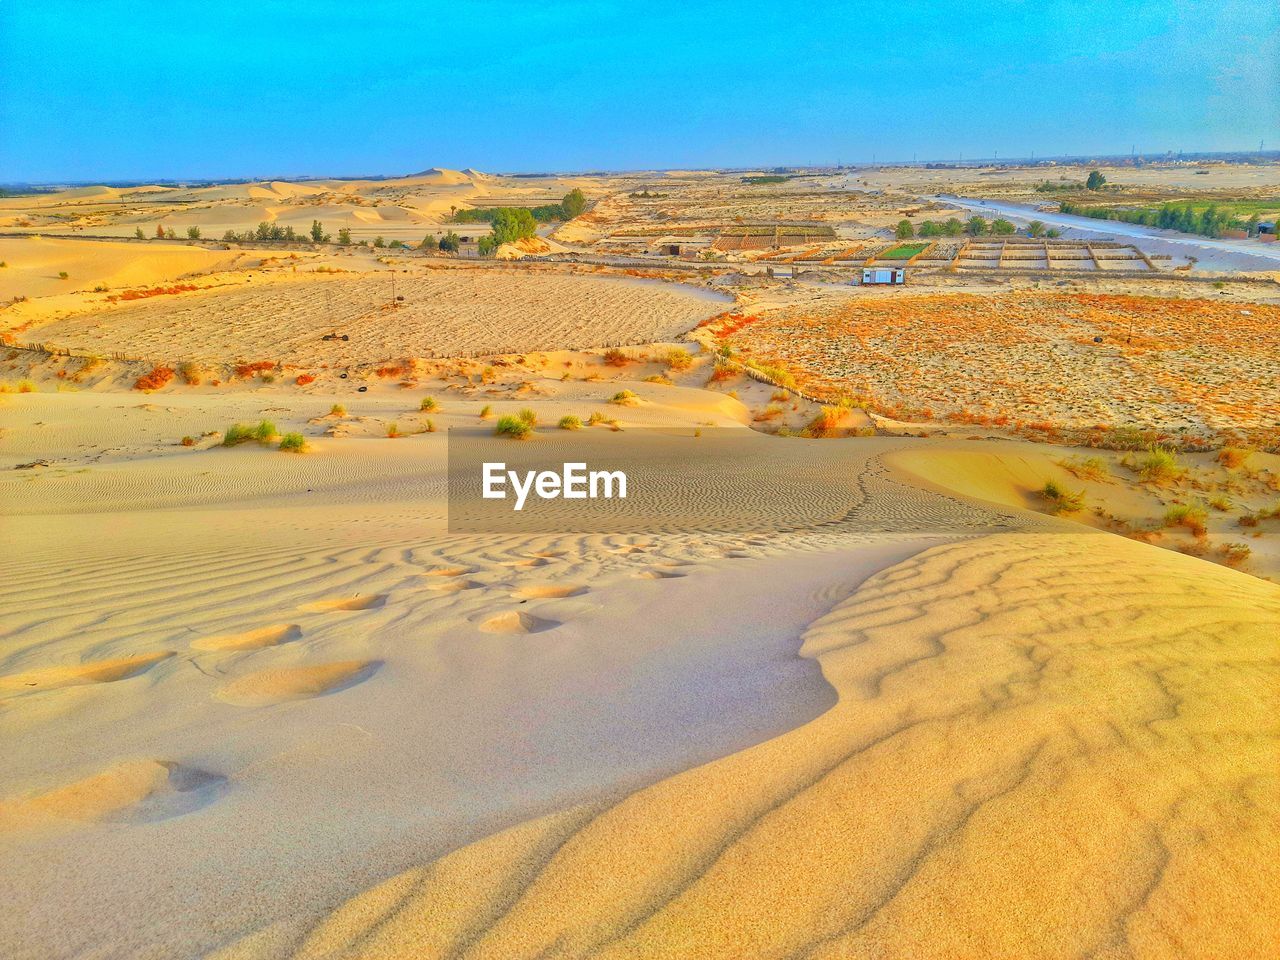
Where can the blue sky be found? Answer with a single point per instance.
(107, 90)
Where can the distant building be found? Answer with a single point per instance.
(882, 275)
(1267, 227)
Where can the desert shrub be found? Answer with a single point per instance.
(678, 359)
(658, 378)
(722, 371)
(570, 422)
(1127, 438)
(1248, 520)
(614, 357)
(429, 426)
(238, 433)
(1085, 468)
(1220, 502)
(188, 441)
(428, 404)
(776, 372)
(1234, 554)
(825, 423)
(303, 379)
(293, 443)
(157, 378)
(251, 369)
(1232, 457)
(513, 427)
(337, 410)
(486, 412)
(596, 417)
(63, 275)
(1189, 515)
(1061, 500)
(526, 415)
(1160, 464)
(264, 431)
(624, 398)
(393, 430)
(192, 373)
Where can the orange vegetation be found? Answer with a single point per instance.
(154, 380)
(1051, 364)
(303, 379)
(250, 369)
(143, 294)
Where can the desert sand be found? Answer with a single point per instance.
(260, 705)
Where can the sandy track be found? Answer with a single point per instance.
(443, 313)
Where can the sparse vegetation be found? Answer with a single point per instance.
(1086, 468)
(529, 416)
(1192, 516)
(393, 430)
(624, 398)
(678, 359)
(486, 412)
(514, 427)
(1233, 457)
(570, 422)
(265, 431)
(293, 443)
(1061, 500)
(1160, 465)
(337, 410)
(428, 404)
(238, 433)
(155, 380)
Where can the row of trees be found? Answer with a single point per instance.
(1210, 221)
(974, 227)
(573, 204)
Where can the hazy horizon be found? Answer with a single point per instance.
(244, 91)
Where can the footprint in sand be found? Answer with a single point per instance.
(136, 791)
(659, 575)
(345, 603)
(101, 671)
(515, 622)
(549, 591)
(456, 585)
(251, 639)
(280, 684)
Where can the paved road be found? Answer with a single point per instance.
(1213, 254)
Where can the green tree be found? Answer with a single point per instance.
(976, 226)
(379, 242)
(574, 203)
(170, 234)
(930, 229)
(193, 233)
(488, 245)
(450, 242)
(428, 244)
(230, 235)
(1053, 233)
(317, 232)
(512, 224)
(137, 232)
(953, 227)
(1096, 180)
(904, 230)
(263, 232)
(344, 236)
(1002, 227)
(1035, 228)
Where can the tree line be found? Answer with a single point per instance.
(1208, 222)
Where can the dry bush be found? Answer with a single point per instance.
(1189, 515)
(570, 422)
(155, 380)
(246, 370)
(678, 359)
(624, 398)
(192, 373)
(513, 427)
(1085, 468)
(1159, 465)
(303, 379)
(1233, 457)
(826, 423)
(1061, 500)
(614, 357)
(293, 443)
(1234, 554)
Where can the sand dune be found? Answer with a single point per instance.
(987, 731)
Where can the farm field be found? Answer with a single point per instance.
(1198, 369)
(439, 313)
